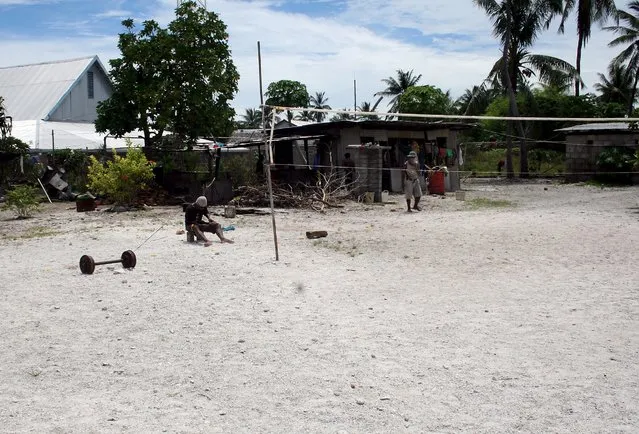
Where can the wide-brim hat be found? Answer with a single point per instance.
(412, 154)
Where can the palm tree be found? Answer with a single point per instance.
(475, 101)
(517, 24)
(252, 118)
(366, 107)
(342, 117)
(306, 116)
(318, 101)
(548, 70)
(628, 35)
(395, 87)
(617, 87)
(588, 13)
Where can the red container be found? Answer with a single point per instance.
(437, 183)
(84, 205)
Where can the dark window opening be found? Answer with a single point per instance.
(90, 85)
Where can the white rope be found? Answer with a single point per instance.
(436, 116)
(448, 170)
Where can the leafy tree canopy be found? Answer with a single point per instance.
(287, 93)
(180, 78)
(425, 100)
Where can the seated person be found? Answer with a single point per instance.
(193, 215)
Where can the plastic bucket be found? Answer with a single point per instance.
(384, 196)
(229, 212)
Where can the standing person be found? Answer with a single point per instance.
(349, 168)
(410, 180)
(193, 221)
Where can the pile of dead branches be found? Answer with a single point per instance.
(330, 190)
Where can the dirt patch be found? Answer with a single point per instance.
(504, 319)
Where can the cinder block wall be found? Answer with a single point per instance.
(581, 156)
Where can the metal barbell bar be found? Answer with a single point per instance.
(87, 264)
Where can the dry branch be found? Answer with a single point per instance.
(330, 189)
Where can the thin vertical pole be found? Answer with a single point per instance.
(259, 65)
(355, 96)
(52, 147)
(270, 186)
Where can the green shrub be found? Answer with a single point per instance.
(122, 178)
(10, 168)
(75, 164)
(615, 164)
(23, 200)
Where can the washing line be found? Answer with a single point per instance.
(440, 116)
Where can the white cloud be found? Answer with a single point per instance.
(328, 53)
(114, 13)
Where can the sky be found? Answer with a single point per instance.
(325, 44)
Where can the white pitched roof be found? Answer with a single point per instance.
(33, 91)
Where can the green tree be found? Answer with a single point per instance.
(342, 117)
(475, 101)
(396, 86)
(319, 101)
(252, 118)
(588, 13)
(181, 79)
(287, 93)
(617, 86)
(517, 24)
(629, 37)
(306, 116)
(5, 121)
(549, 102)
(425, 100)
(368, 107)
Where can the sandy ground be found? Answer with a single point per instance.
(521, 318)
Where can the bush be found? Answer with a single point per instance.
(23, 200)
(11, 149)
(75, 164)
(122, 178)
(615, 163)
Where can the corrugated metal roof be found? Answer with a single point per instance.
(597, 127)
(32, 91)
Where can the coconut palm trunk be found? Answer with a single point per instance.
(580, 45)
(633, 94)
(510, 78)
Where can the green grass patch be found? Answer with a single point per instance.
(485, 203)
(540, 162)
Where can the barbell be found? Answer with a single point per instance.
(87, 264)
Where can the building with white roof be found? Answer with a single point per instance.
(54, 104)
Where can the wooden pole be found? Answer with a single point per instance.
(52, 148)
(259, 65)
(45, 190)
(270, 186)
